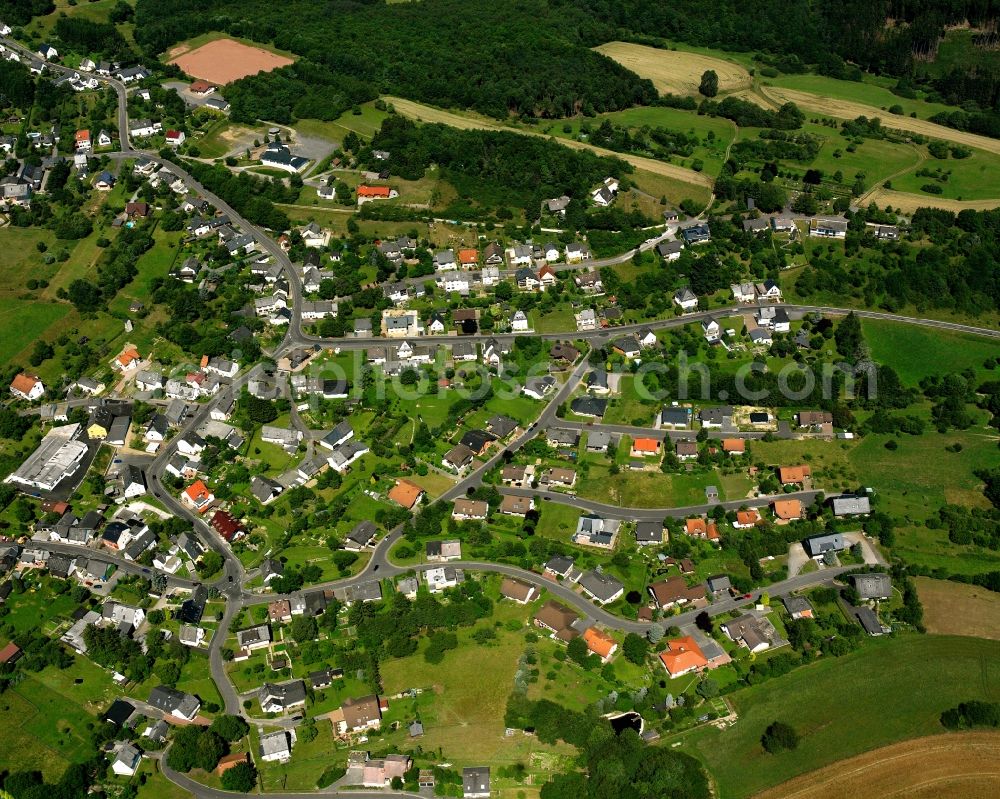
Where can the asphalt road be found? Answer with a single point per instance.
(653, 514)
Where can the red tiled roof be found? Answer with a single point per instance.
(373, 191)
(24, 382)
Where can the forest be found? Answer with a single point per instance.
(509, 167)
(498, 57)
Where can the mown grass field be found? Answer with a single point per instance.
(918, 477)
(465, 697)
(652, 489)
(842, 707)
(849, 108)
(868, 93)
(916, 352)
(974, 178)
(959, 609)
(712, 150)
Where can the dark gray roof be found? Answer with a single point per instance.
(649, 532)
(873, 586)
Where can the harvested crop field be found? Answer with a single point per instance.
(226, 60)
(957, 765)
(845, 109)
(959, 609)
(426, 113)
(908, 203)
(675, 71)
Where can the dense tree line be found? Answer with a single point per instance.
(968, 715)
(21, 12)
(957, 267)
(302, 90)
(116, 269)
(88, 36)
(391, 629)
(507, 167)
(252, 197)
(17, 87)
(616, 765)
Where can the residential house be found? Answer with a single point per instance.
(734, 446)
(818, 545)
(686, 450)
(259, 637)
(443, 577)
(276, 747)
(698, 233)
(593, 407)
(600, 643)
(512, 505)
(686, 299)
(872, 586)
(828, 228)
(458, 458)
(848, 505)
(670, 250)
(175, 703)
(794, 475)
(197, 496)
(358, 715)
(518, 591)
(405, 493)
(787, 509)
(476, 782)
(596, 531)
(27, 387)
(744, 292)
(647, 533)
(366, 193)
(126, 760)
(601, 587)
(443, 550)
(750, 631)
(282, 697)
(797, 607)
(746, 519)
(538, 387)
(682, 656)
(470, 509)
(557, 619)
(674, 590)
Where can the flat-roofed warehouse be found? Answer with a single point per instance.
(58, 456)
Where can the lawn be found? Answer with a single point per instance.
(974, 178)
(831, 464)
(877, 159)
(557, 520)
(309, 760)
(24, 322)
(463, 716)
(364, 124)
(917, 352)
(711, 151)
(652, 489)
(46, 727)
(920, 476)
(841, 707)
